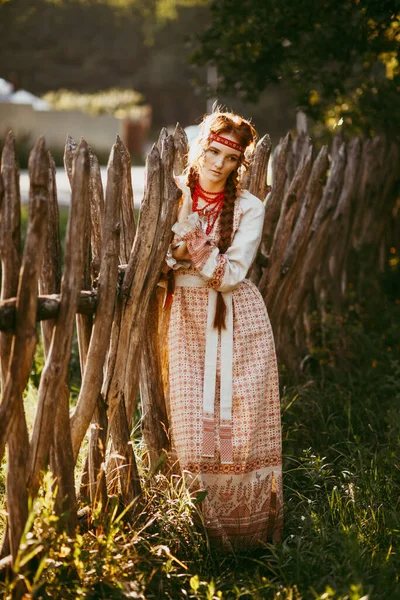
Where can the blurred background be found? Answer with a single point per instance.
(97, 68)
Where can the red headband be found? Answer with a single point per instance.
(222, 140)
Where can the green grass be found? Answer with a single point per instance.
(341, 441)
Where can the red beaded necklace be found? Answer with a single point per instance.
(214, 203)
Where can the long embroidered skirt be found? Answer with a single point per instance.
(243, 504)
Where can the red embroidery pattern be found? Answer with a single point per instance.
(223, 140)
(219, 272)
(199, 247)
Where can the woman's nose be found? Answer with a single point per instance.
(219, 161)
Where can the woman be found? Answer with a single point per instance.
(223, 380)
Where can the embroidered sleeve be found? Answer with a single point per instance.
(219, 272)
(225, 272)
(199, 247)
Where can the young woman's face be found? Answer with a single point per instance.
(218, 162)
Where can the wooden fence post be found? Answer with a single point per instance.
(10, 239)
(107, 284)
(13, 427)
(155, 424)
(55, 371)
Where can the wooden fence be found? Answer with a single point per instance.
(320, 209)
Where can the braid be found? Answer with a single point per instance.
(226, 218)
(226, 229)
(192, 178)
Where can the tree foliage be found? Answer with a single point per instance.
(339, 57)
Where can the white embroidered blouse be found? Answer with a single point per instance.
(223, 272)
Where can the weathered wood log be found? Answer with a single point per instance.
(274, 198)
(169, 208)
(340, 227)
(1, 196)
(125, 316)
(155, 424)
(161, 139)
(96, 456)
(10, 243)
(62, 461)
(10, 239)
(316, 254)
(366, 190)
(49, 282)
(132, 286)
(296, 248)
(301, 148)
(311, 199)
(96, 201)
(12, 417)
(128, 227)
(152, 388)
(69, 152)
(295, 334)
(48, 307)
(381, 202)
(83, 322)
(284, 227)
(107, 284)
(50, 276)
(123, 458)
(134, 340)
(255, 180)
(181, 150)
(56, 367)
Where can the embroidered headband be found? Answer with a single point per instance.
(222, 140)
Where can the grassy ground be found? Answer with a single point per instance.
(341, 433)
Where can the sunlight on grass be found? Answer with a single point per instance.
(341, 436)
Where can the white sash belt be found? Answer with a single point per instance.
(210, 372)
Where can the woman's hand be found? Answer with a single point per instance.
(181, 252)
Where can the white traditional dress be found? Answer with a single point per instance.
(223, 388)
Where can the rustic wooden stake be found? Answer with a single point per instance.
(274, 199)
(10, 239)
(56, 368)
(48, 307)
(284, 226)
(93, 376)
(12, 417)
(181, 146)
